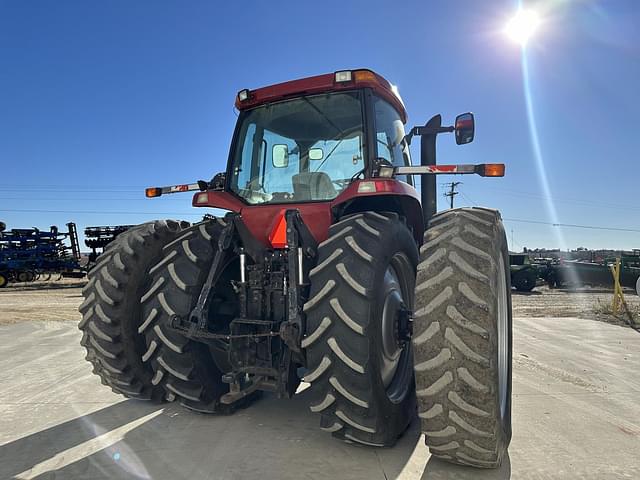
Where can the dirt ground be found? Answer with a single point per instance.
(588, 303)
(59, 301)
(56, 301)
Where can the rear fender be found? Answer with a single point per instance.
(389, 196)
(386, 195)
(217, 199)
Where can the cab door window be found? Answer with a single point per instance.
(390, 142)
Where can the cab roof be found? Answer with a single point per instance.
(328, 82)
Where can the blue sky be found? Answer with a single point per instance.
(100, 99)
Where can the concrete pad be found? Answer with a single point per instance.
(576, 415)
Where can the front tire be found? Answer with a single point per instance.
(361, 379)
(462, 340)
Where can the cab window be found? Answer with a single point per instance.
(390, 142)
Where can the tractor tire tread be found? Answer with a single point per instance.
(340, 365)
(184, 367)
(111, 299)
(455, 337)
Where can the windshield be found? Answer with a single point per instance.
(305, 149)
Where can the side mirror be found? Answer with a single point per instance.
(465, 128)
(316, 154)
(280, 156)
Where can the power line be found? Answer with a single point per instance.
(452, 192)
(58, 185)
(94, 212)
(107, 212)
(92, 190)
(105, 199)
(571, 225)
(575, 201)
(468, 199)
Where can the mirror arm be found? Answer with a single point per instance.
(427, 131)
(431, 131)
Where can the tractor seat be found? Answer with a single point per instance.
(313, 186)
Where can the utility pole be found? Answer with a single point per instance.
(452, 191)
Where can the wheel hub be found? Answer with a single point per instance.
(404, 326)
(390, 343)
(395, 328)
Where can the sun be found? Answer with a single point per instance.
(522, 26)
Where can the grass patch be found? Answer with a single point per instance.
(606, 308)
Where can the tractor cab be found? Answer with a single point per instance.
(308, 142)
(328, 146)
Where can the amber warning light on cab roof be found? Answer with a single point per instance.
(340, 80)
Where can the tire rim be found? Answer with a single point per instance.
(3, 280)
(503, 338)
(394, 362)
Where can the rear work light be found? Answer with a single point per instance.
(202, 198)
(243, 95)
(343, 76)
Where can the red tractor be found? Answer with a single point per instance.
(326, 270)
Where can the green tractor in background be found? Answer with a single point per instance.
(524, 274)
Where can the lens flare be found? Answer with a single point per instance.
(538, 157)
(522, 26)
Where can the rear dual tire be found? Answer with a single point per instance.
(361, 380)
(187, 369)
(111, 312)
(462, 338)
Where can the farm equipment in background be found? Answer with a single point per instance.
(577, 274)
(330, 263)
(31, 254)
(524, 273)
(99, 237)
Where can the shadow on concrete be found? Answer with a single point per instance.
(273, 439)
(22, 454)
